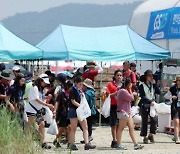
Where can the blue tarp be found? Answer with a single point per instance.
(14, 48)
(101, 44)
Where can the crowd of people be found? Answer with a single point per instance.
(132, 95)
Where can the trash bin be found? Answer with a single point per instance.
(164, 116)
(164, 120)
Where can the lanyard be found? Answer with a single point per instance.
(149, 87)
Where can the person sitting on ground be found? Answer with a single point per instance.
(92, 71)
(124, 99)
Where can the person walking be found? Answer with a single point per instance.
(112, 89)
(148, 90)
(34, 109)
(124, 98)
(75, 98)
(174, 94)
(61, 108)
(89, 92)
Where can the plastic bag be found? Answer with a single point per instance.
(53, 129)
(48, 117)
(152, 111)
(162, 108)
(83, 111)
(105, 110)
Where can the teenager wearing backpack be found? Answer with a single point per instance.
(91, 99)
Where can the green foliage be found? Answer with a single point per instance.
(13, 139)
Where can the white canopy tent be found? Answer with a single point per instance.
(141, 17)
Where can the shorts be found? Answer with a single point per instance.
(30, 114)
(123, 116)
(113, 116)
(62, 121)
(72, 113)
(175, 113)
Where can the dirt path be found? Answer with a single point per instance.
(102, 139)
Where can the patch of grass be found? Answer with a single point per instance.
(13, 139)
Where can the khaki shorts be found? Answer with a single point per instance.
(123, 116)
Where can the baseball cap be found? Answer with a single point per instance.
(16, 68)
(45, 78)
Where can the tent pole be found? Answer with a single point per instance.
(100, 103)
(42, 65)
(56, 67)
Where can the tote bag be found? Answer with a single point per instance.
(83, 111)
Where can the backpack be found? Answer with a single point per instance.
(91, 99)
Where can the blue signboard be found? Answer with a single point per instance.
(164, 24)
(174, 24)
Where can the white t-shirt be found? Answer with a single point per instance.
(33, 95)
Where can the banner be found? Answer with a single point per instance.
(164, 24)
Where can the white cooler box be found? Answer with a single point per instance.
(164, 120)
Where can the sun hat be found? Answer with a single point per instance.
(147, 72)
(6, 75)
(177, 76)
(16, 68)
(88, 83)
(45, 78)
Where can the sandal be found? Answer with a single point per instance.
(121, 148)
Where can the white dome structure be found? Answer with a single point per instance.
(141, 18)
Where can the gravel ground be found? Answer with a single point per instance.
(102, 139)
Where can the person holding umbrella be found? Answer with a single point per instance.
(148, 90)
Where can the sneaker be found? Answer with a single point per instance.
(138, 146)
(177, 141)
(113, 144)
(89, 146)
(45, 146)
(145, 140)
(56, 143)
(151, 138)
(72, 147)
(174, 139)
(121, 148)
(90, 139)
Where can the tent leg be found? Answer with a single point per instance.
(56, 67)
(42, 65)
(100, 99)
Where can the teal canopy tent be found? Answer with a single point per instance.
(14, 48)
(101, 44)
